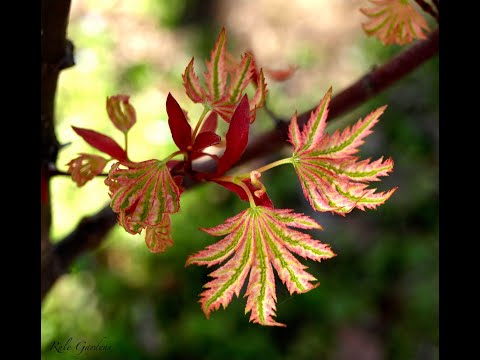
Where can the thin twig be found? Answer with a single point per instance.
(57, 172)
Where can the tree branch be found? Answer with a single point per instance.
(91, 230)
(57, 54)
(87, 236)
(356, 94)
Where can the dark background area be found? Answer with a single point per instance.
(378, 298)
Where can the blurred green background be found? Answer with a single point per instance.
(378, 298)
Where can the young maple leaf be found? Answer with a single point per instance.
(121, 112)
(332, 178)
(236, 140)
(142, 194)
(260, 239)
(394, 21)
(85, 167)
(158, 238)
(102, 142)
(182, 131)
(225, 80)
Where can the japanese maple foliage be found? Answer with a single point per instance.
(332, 178)
(394, 22)
(262, 238)
(226, 81)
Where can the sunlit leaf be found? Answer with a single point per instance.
(257, 241)
(216, 74)
(158, 238)
(142, 192)
(192, 85)
(394, 22)
(121, 112)
(86, 167)
(332, 178)
(226, 81)
(102, 142)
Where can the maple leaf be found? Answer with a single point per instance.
(236, 140)
(141, 194)
(182, 131)
(226, 81)
(256, 241)
(281, 74)
(121, 112)
(332, 178)
(85, 167)
(102, 142)
(394, 21)
(158, 238)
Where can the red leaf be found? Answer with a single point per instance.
(281, 74)
(102, 142)
(204, 140)
(210, 123)
(236, 137)
(264, 200)
(179, 126)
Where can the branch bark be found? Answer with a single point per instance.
(91, 230)
(57, 54)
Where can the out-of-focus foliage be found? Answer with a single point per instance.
(378, 296)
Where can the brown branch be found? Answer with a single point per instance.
(356, 94)
(57, 54)
(87, 236)
(91, 230)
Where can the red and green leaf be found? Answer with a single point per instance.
(86, 167)
(241, 78)
(226, 81)
(158, 238)
(143, 192)
(332, 179)
(179, 126)
(258, 99)
(394, 22)
(257, 241)
(102, 142)
(216, 74)
(121, 112)
(192, 85)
